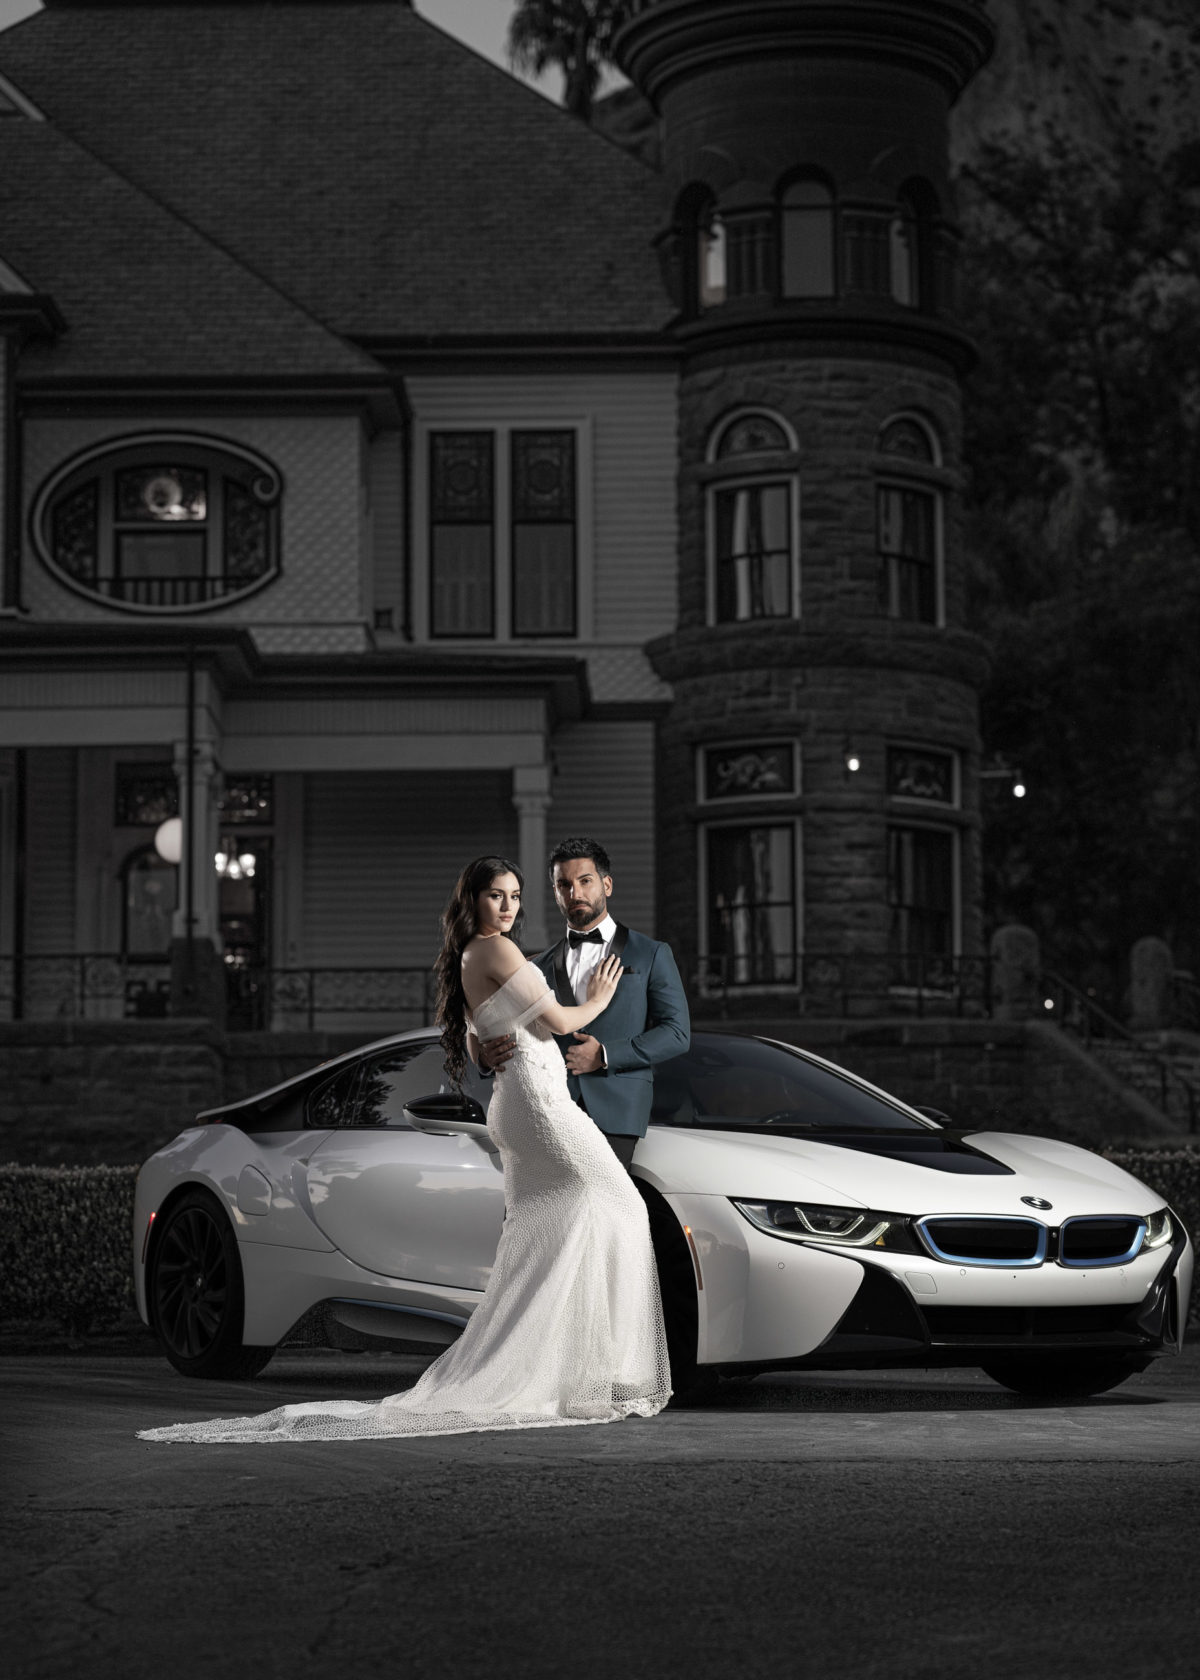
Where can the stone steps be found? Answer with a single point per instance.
(1142, 1070)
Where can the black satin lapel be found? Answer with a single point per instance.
(562, 986)
(618, 940)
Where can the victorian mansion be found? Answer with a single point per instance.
(397, 469)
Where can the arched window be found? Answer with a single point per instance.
(161, 522)
(711, 258)
(701, 244)
(753, 520)
(910, 245)
(909, 520)
(806, 240)
(905, 267)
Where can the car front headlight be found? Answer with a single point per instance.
(817, 1223)
(1160, 1228)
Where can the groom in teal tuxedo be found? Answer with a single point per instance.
(609, 1067)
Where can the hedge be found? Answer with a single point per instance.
(66, 1234)
(66, 1238)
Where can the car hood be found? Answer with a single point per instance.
(777, 1168)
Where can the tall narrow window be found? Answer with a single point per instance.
(920, 885)
(754, 551)
(543, 533)
(807, 242)
(905, 254)
(752, 903)
(462, 533)
(711, 258)
(908, 552)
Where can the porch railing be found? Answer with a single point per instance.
(83, 985)
(303, 999)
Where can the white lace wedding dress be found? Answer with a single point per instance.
(570, 1329)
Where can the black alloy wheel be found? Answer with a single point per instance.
(677, 1286)
(195, 1293)
(1062, 1376)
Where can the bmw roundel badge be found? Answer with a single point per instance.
(1036, 1201)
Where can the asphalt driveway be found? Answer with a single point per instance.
(892, 1525)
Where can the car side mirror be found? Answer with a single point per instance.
(447, 1114)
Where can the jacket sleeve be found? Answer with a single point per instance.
(668, 1029)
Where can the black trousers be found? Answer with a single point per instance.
(622, 1145)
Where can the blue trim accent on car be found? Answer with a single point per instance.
(1131, 1252)
(939, 1253)
(397, 1306)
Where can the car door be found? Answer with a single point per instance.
(397, 1200)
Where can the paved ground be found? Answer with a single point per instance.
(898, 1525)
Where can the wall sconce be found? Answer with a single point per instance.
(851, 761)
(168, 840)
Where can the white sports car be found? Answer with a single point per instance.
(801, 1217)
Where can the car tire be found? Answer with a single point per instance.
(195, 1293)
(1063, 1376)
(677, 1286)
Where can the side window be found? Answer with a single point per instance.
(362, 1093)
(399, 1076)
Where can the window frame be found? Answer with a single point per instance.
(801, 178)
(896, 472)
(906, 820)
(218, 457)
(502, 427)
(743, 821)
(747, 471)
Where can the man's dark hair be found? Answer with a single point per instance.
(580, 846)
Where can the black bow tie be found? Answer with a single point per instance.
(595, 937)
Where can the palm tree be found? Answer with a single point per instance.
(574, 35)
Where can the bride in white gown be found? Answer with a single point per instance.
(570, 1329)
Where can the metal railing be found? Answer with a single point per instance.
(84, 985)
(829, 983)
(1133, 1062)
(302, 999)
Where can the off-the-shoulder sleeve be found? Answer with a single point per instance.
(525, 996)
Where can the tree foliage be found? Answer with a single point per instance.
(574, 36)
(1083, 448)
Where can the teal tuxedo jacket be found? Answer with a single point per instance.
(646, 1022)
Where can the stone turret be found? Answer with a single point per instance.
(819, 774)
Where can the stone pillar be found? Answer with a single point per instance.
(1016, 969)
(1151, 975)
(197, 970)
(531, 796)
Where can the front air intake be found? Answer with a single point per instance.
(1097, 1241)
(976, 1240)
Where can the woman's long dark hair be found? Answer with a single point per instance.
(459, 926)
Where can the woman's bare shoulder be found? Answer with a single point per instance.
(496, 958)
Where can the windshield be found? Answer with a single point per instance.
(729, 1081)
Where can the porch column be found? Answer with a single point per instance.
(197, 971)
(531, 796)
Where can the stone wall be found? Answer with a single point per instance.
(113, 1092)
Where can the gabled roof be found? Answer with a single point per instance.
(142, 293)
(383, 175)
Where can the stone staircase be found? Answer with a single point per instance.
(1169, 1079)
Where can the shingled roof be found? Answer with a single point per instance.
(389, 179)
(143, 294)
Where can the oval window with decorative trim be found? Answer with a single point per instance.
(161, 522)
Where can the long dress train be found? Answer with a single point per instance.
(570, 1328)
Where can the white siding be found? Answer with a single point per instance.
(631, 421)
(50, 852)
(381, 853)
(604, 787)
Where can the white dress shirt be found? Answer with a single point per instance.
(582, 960)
